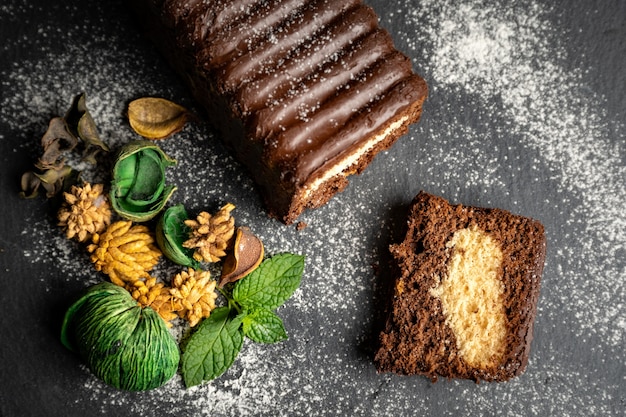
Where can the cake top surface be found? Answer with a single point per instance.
(300, 74)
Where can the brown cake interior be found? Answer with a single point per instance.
(465, 296)
(305, 92)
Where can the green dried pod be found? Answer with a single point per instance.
(123, 344)
(138, 190)
(171, 232)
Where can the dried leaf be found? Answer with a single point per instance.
(30, 185)
(56, 142)
(82, 124)
(52, 180)
(156, 118)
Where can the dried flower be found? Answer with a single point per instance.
(195, 290)
(156, 295)
(211, 235)
(125, 252)
(85, 211)
(63, 135)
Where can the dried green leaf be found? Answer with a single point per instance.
(156, 118)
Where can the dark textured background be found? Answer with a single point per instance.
(325, 368)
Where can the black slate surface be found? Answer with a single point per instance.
(526, 112)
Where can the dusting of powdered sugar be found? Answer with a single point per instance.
(505, 61)
(498, 52)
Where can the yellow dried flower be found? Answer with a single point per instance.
(156, 295)
(145, 292)
(211, 235)
(195, 291)
(125, 252)
(85, 211)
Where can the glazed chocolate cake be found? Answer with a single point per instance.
(305, 92)
(465, 294)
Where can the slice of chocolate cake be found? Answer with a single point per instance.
(465, 296)
(305, 92)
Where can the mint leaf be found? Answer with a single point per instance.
(264, 326)
(271, 284)
(212, 349)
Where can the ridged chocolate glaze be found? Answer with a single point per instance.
(309, 60)
(240, 36)
(304, 133)
(295, 87)
(321, 85)
(274, 49)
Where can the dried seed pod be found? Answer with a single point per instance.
(138, 189)
(247, 254)
(172, 232)
(125, 345)
(156, 118)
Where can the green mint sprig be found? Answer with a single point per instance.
(214, 346)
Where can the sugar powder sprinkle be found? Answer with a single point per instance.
(504, 58)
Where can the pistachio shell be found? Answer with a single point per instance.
(156, 118)
(126, 346)
(171, 232)
(138, 189)
(246, 256)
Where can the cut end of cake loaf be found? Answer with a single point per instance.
(465, 294)
(304, 92)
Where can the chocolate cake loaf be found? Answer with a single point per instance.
(305, 92)
(465, 296)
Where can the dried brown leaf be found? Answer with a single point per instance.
(55, 143)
